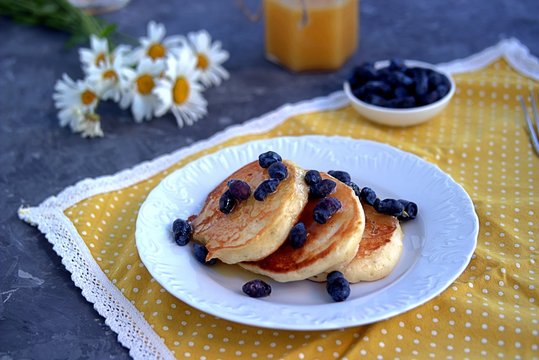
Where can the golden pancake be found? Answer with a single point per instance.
(379, 251)
(327, 245)
(254, 229)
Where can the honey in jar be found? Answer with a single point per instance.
(310, 34)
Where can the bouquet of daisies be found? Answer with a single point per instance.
(163, 74)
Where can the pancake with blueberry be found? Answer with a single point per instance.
(249, 214)
(327, 234)
(379, 251)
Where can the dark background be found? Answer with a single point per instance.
(42, 314)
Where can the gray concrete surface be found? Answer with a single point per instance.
(42, 314)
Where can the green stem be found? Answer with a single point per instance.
(59, 15)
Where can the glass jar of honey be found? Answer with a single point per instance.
(311, 34)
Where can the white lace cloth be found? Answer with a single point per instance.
(122, 317)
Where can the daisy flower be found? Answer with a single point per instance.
(108, 77)
(89, 124)
(155, 45)
(180, 91)
(99, 53)
(74, 98)
(209, 56)
(139, 86)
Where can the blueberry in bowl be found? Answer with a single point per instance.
(399, 93)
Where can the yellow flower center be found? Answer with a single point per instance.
(156, 51)
(87, 97)
(93, 117)
(202, 61)
(145, 84)
(100, 58)
(110, 74)
(181, 90)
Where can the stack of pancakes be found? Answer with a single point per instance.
(361, 243)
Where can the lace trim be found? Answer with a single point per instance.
(120, 315)
(512, 50)
(133, 330)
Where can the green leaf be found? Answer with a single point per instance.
(60, 15)
(108, 30)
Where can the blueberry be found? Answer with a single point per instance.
(322, 189)
(374, 99)
(377, 87)
(368, 195)
(334, 275)
(278, 171)
(402, 103)
(445, 81)
(442, 90)
(435, 79)
(421, 82)
(182, 231)
(397, 86)
(269, 185)
(400, 92)
(389, 207)
(429, 98)
(256, 288)
(354, 187)
(383, 73)
(392, 103)
(410, 72)
(268, 158)
(312, 177)
(363, 73)
(399, 78)
(397, 64)
(201, 253)
(360, 93)
(265, 188)
(338, 289)
(239, 189)
(343, 176)
(354, 83)
(407, 102)
(227, 202)
(410, 210)
(260, 194)
(325, 209)
(378, 101)
(297, 235)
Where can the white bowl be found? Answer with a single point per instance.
(401, 117)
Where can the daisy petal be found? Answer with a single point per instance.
(137, 109)
(156, 31)
(210, 57)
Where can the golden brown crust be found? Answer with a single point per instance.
(379, 251)
(327, 245)
(379, 229)
(254, 229)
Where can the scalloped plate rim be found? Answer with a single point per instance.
(263, 319)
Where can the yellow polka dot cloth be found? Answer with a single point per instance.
(490, 311)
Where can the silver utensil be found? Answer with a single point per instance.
(531, 130)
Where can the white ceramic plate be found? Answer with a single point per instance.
(438, 244)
